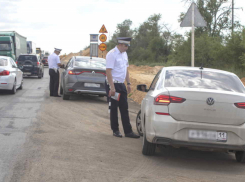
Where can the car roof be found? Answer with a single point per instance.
(197, 69)
(5, 57)
(87, 57)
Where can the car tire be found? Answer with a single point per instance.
(13, 91)
(65, 96)
(148, 148)
(138, 123)
(21, 86)
(39, 76)
(240, 156)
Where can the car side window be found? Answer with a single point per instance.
(70, 63)
(154, 82)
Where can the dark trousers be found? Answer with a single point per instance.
(123, 107)
(54, 82)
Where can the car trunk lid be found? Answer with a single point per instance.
(207, 106)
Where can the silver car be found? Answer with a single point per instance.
(195, 108)
(11, 77)
(83, 75)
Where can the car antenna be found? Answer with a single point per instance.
(201, 68)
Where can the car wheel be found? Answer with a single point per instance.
(21, 86)
(138, 123)
(13, 91)
(148, 148)
(40, 76)
(61, 90)
(240, 156)
(65, 96)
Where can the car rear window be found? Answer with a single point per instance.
(203, 79)
(90, 63)
(3, 62)
(27, 58)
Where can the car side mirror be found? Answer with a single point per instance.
(142, 88)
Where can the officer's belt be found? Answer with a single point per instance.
(114, 81)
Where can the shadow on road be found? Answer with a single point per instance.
(198, 160)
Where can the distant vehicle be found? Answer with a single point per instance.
(39, 51)
(45, 61)
(12, 44)
(46, 54)
(194, 108)
(83, 75)
(31, 65)
(31, 47)
(11, 77)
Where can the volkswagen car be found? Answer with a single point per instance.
(11, 77)
(83, 75)
(196, 108)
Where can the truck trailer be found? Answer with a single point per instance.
(31, 47)
(12, 44)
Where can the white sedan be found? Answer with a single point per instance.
(197, 108)
(11, 77)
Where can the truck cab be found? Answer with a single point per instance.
(7, 47)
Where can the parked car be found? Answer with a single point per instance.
(11, 77)
(45, 61)
(194, 108)
(31, 65)
(83, 75)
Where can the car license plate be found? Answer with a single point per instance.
(27, 73)
(27, 65)
(91, 85)
(208, 135)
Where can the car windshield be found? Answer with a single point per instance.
(3, 62)
(90, 63)
(203, 79)
(5, 47)
(27, 58)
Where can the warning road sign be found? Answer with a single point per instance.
(102, 46)
(103, 29)
(102, 37)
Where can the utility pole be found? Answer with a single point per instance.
(232, 20)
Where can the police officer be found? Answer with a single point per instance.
(116, 73)
(54, 65)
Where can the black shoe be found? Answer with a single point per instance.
(56, 96)
(117, 134)
(132, 135)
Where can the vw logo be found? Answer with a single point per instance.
(210, 101)
(93, 72)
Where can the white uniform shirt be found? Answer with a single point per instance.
(53, 60)
(118, 62)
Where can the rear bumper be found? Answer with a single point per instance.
(6, 83)
(96, 92)
(177, 143)
(166, 130)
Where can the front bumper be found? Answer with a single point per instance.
(166, 130)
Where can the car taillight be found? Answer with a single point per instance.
(240, 105)
(38, 63)
(101, 73)
(16, 62)
(4, 73)
(71, 73)
(166, 100)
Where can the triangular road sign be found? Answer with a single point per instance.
(103, 29)
(198, 19)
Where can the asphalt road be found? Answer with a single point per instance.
(47, 139)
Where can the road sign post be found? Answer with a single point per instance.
(193, 18)
(103, 38)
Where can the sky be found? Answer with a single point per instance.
(67, 24)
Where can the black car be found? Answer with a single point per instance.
(45, 61)
(30, 65)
